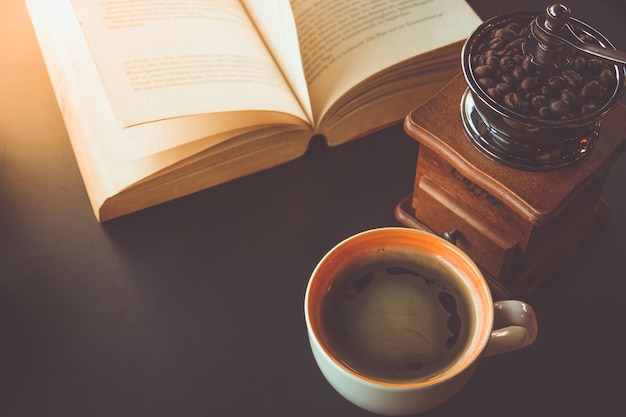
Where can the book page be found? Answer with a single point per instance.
(161, 59)
(275, 23)
(343, 43)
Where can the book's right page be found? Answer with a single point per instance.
(344, 43)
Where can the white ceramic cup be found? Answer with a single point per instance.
(491, 328)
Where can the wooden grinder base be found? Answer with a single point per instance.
(518, 226)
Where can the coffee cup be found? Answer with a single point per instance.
(399, 319)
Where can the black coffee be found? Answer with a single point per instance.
(396, 319)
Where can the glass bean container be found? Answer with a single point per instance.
(521, 130)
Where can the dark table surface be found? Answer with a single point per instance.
(195, 307)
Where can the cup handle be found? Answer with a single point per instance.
(515, 327)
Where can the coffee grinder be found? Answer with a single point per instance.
(514, 185)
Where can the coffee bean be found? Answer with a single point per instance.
(486, 82)
(528, 66)
(528, 84)
(496, 44)
(544, 112)
(494, 93)
(484, 71)
(557, 82)
(518, 58)
(518, 73)
(508, 78)
(480, 48)
(546, 90)
(559, 107)
(590, 90)
(513, 101)
(596, 66)
(491, 52)
(478, 60)
(492, 60)
(506, 34)
(587, 109)
(506, 64)
(573, 78)
(504, 87)
(515, 46)
(569, 97)
(526, 108)
(607, 77)
(579, 63)
(539, 101)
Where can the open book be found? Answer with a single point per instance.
(164, 98)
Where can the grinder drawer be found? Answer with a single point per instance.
(490, 248)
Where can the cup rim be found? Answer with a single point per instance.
(332, 260)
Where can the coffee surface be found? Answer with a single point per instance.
(396, 319)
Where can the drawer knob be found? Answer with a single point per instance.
(452, 236)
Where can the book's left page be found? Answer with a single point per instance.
(161, 59)
(113, 157)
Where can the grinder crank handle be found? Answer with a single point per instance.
(552, 29)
